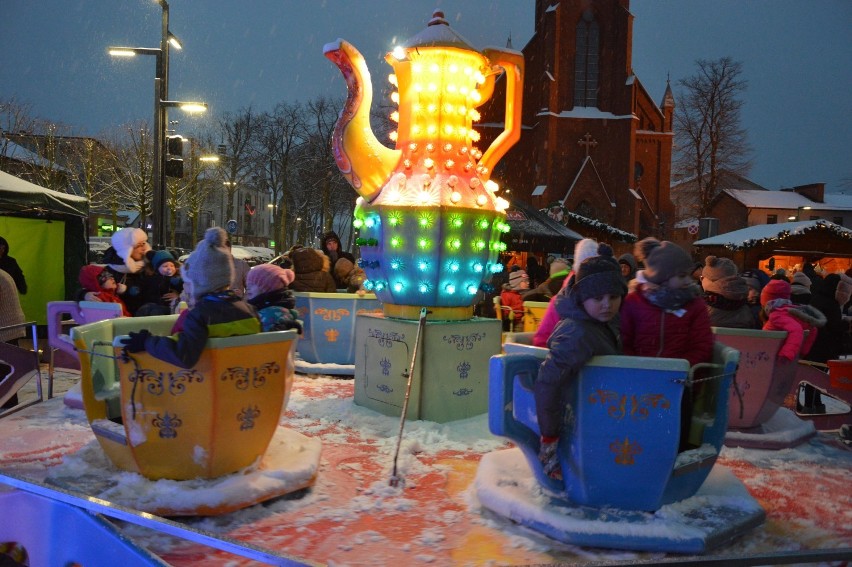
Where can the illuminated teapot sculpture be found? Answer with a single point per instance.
(428, 214)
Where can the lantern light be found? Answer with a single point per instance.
(491, 186)
(423, 265)
(392, 80)
(472, 289)
(393, 135)
(398, 53)
(450, 288)
(481, 200)
(423, 287)
(397, 287)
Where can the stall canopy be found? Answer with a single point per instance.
(810, 240)
(531, 230)
(46, 231)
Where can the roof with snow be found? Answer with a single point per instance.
(786, 200)
(759, 234)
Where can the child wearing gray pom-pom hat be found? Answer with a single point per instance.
(218, 311)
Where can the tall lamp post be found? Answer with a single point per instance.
(161, 104)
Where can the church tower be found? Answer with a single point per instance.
(593, 140)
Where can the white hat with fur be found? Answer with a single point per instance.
(123, 241)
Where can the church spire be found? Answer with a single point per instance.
(668, 97)
(509, 42)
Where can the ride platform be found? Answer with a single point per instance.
(351, 516)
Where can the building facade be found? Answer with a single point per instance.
(593, 141)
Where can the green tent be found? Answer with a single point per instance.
(46, 231)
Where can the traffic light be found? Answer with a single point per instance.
(174, 163)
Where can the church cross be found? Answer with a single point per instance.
(588, 142)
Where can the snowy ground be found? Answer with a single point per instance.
(352, 516)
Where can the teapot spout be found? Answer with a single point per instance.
(364, 161)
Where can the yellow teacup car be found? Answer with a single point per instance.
(163, 421)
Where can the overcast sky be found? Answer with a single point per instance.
(797, 59)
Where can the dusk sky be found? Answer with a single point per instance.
(797, 59)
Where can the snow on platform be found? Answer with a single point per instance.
(721, 510)
(351, 516)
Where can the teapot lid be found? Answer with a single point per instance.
(438, 34)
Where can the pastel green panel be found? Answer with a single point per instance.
(39, 248)
(450, 380)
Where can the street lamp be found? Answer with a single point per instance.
(161, 104)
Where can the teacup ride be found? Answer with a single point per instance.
(533, 314)
(822, 393)
(629, 479)
(327, 344)
(210, 425)
(757, 417)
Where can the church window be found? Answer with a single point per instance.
(586, 61)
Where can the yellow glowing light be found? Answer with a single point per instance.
(481, 200)
(448, 108)
(451, 88)
(462, 130)
(416, 129)
(491, 186)
(417, 107)
(432, 108)
(406, 163)
(448, 147)
(429, 163)
(395, 116)
(432, 129)
(454, 68)
(430, 147)
(463, 90)
(448, 129)
(455, 243)
(501, 204)
(449, 164)
(475, 96)
(392, 80)
(417, 67)
(412, 146)
(462, 109)
(395, 97)
(473, 135)
(474, 183)
(393, 135)
(434, 68)
(424, 197)
(394, 196)
(418, 87)
(452, 180)
(398, 53)
(468, 71)
(474, 114)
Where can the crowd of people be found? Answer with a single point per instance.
(655, 302)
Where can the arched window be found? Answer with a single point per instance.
(586, 61)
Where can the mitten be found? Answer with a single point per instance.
(135, 342)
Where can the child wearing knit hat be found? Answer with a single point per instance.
(585, 248)
(726, 294)
(800, 289)
(783, 315)
(267, 291)
(664, 314)
(511, 301)
(588, 327)
(218, 311)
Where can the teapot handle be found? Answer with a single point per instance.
(512, 63)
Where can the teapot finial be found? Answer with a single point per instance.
(438, 19)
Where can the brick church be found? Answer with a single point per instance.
(595, 149)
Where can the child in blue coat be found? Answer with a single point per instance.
(217, 312)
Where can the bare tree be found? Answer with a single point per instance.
(708, 132)
(238, 134)
(133, 183)
(280, 137)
